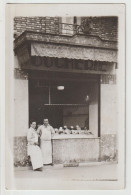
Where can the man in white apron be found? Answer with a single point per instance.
(33, 150)
(46, 132)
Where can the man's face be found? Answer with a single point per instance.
(46, 122)
(33, 125)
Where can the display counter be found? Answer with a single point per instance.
(79, 148)
(72, 136)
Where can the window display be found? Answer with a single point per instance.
(66, 104)
(73, 130)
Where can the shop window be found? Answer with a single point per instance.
(65, 103)
(62, 104)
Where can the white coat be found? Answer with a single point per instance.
(45, 143)
(34, 150)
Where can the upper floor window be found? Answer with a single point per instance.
(69, 24)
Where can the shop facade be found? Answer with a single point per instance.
(71, 79)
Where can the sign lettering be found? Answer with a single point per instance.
(71, 64)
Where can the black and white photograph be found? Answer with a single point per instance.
(65, 97)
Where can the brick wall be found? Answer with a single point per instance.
(37, 24)
(104, 27)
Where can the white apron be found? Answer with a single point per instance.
(34, 151)
(45, 144)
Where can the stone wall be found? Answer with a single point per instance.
(104, 27)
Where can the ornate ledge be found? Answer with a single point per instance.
(76, 40)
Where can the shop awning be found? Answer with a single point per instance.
(78, 53)
(73, 52)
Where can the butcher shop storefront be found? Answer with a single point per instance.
(71, 80)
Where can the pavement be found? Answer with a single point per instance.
(66, 178)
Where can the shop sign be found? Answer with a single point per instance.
(53, 64)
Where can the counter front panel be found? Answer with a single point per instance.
(75, 148)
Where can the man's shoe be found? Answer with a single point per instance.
(39, 169)
(48, 164)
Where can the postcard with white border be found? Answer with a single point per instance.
(65, 97)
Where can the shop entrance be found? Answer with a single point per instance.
(64, 100)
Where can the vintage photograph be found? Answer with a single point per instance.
(64, 98)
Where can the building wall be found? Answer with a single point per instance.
(21, 107)
(104, 27)
(21, 113)
(108, 109)
(108, 142)
(37, 24)
(20, 100)
(20, 151)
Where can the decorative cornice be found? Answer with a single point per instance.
(80, 40)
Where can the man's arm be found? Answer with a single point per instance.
(30, 137)
(52, 131)
(39, 131)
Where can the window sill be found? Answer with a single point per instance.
(77, 136)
